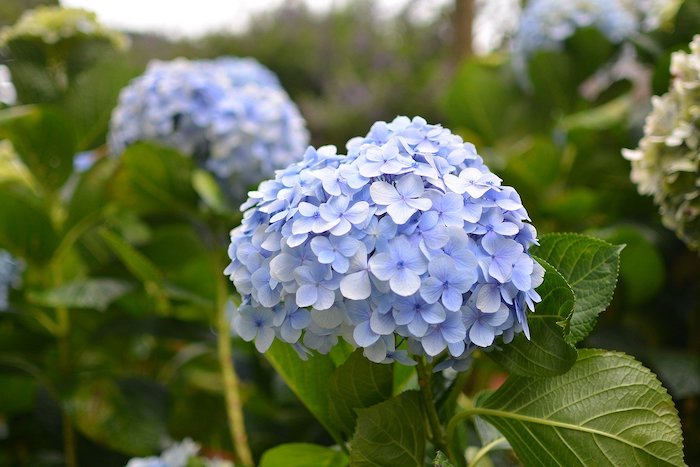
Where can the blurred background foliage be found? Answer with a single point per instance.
(110, 343)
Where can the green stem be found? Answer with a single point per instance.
(234, 407)
(437, 435)
(485, 450)
(63, 331)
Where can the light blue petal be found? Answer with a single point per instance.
(356, 286)
(383, 193)
(382, 266)
(433, 314)
(382, 323)
(364, 336)
(433, 343)
(452, 299)
(400, 211)
(481, 335)
(325, 299)
(404, 282)
(264, 339)
(488, 298)
(306, 295)
(431, 289)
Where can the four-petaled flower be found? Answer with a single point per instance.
(401, 265)
(403, 199)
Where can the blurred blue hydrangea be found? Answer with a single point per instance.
(10, 276)
(231, 114)
(408, 237)
(546, 24)
(178, 455)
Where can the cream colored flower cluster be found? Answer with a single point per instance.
(667, 162)
(52, 25)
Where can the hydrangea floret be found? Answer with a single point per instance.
(52, 24)
(666, 164)
(231, 114)
(407, 238)
(10, 276)
(8, 94)
(546, 24)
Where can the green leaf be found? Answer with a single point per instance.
(154, 179)
(303, 455)
(140, 266)
(90, 102)
(391, 433)
(607, 410)
(598, 118)
(44, 141)
(546, 353)
(18, 393)
(477, 97)
(209, 191)
(95, 294)
(307, 379)
(590, 266)
(27, 228)
(91, 192)
(357, 383)
(128, 415)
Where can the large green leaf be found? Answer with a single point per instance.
(607, 410)
(307, 379)
(391, 433)
(303, 455)
(27, 229)
(154, 179)
(44, 141)
(546, 353)
(140, 266)
(95, 294)
(357, 383)
(590, 266)
(90, 102)
(476, 99)
(91, 195)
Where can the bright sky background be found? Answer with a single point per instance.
(194, 17)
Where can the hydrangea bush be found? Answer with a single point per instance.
(10, 276)
(231, 114)
(407, 237)
(546, 24)
(666, 164)
(52, 25)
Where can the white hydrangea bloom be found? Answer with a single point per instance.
(666, 164)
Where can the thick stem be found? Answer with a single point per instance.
(437, 435)
(234, 408)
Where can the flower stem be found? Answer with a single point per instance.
(485, 450)
(234, 408)
(437, 435)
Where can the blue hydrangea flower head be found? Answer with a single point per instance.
(231, 114)
(177, 455)
(546, 24)
(10, 276)
(409, 237)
